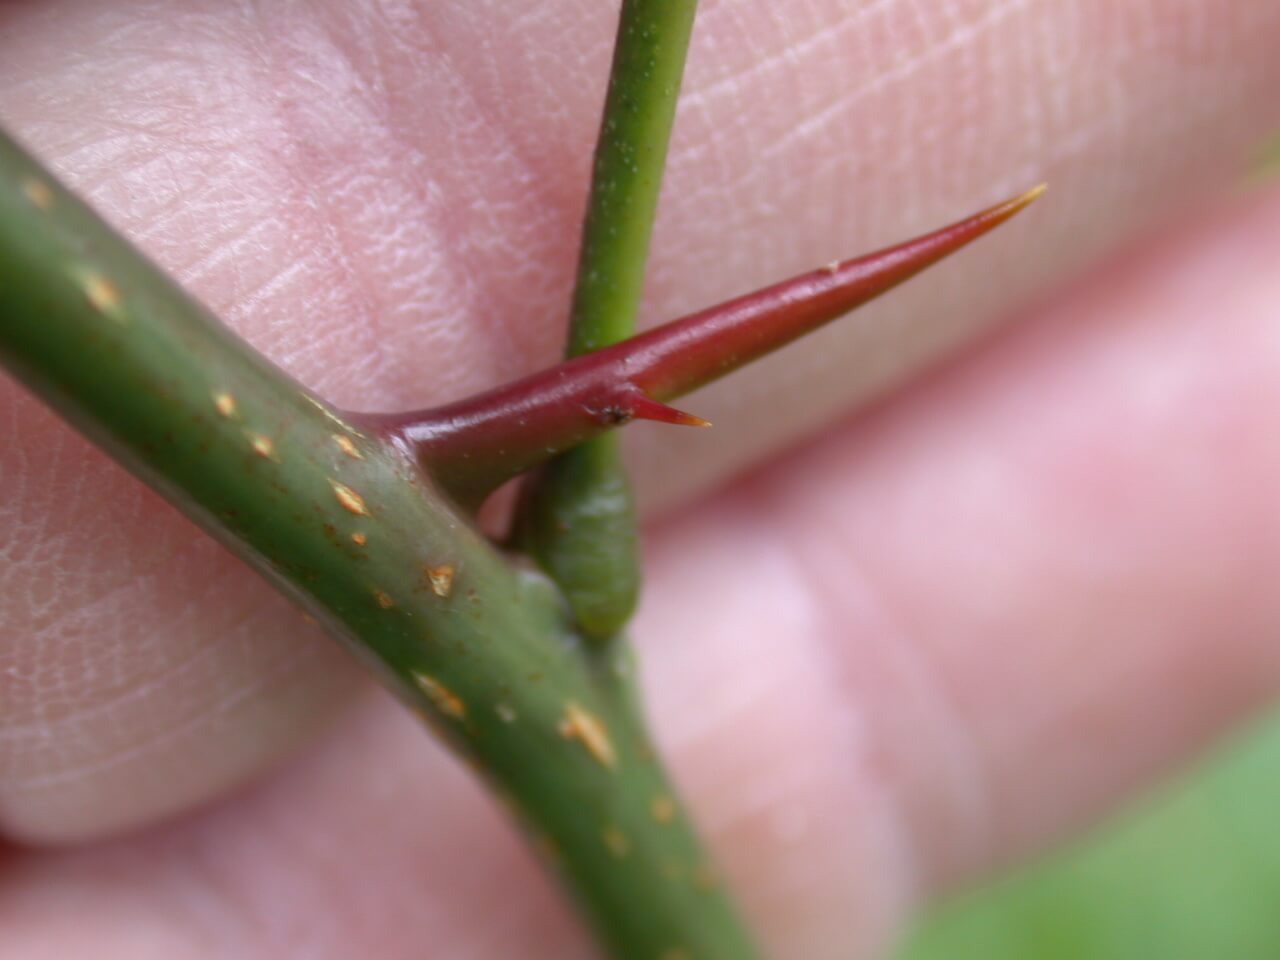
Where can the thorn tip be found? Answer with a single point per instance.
(1004, 211)
(644, 407)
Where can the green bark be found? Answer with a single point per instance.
(350, 528)
(582, 507)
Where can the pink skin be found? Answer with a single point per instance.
(942, 637)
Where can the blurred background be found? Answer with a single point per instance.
(1193, 874)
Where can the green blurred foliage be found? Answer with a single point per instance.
(1267, 164)
(1195, 875)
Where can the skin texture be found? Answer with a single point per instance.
(946, 634)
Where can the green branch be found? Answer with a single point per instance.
(348, 526)
(342, 512)
(631, 156)
(580, 516)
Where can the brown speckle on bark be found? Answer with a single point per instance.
(348, 446)
(586, 728)
(225, 404)
(616, 841)
(351, 501)
(39, 193)
(263, 446)
(441, 579)
(102, 294)
(662, 808)
(444, 699)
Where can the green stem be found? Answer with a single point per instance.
(631, 155)
(581, 524)
(348, 526)
(580, 511)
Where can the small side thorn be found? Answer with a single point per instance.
(646, 408)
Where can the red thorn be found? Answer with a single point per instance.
(646, 408)
(472, 446)
(685, 354)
